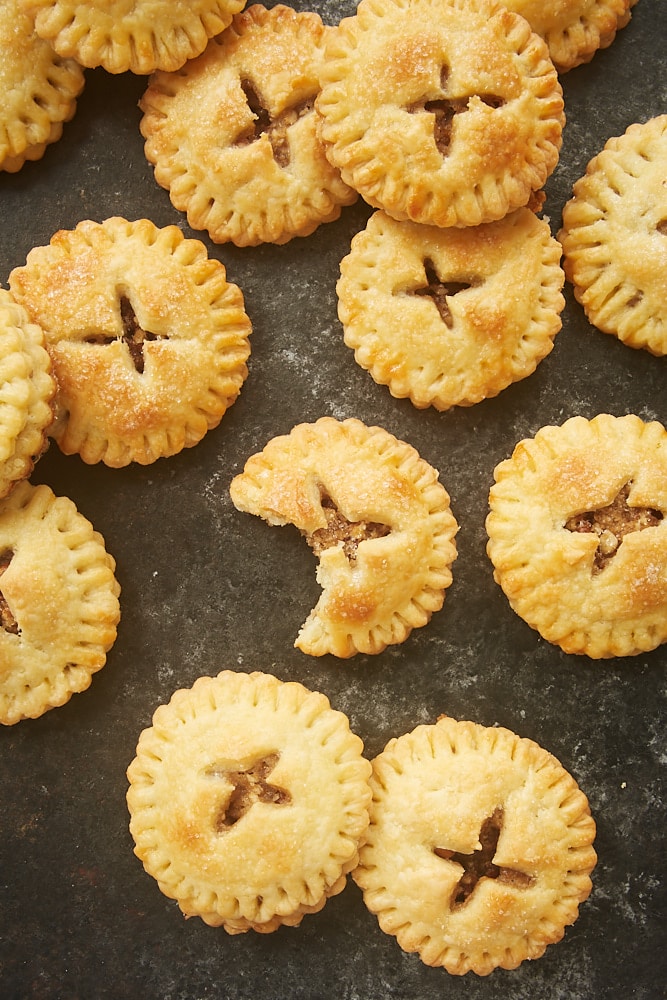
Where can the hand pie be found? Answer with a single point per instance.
(27, 389)
(39, 89)
(148, 339)
(614, 237)
(449, 317)
(444, 112)
(248, 799)
(574, 30)
(377, 518)
(59, 605)
(479, 849)
(233, 136)
(578, 536)
(141, 36)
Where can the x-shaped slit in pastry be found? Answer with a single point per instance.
(249, 786)
(440, 291)
(612, 523)
(134, 336)
(7, 620)
(480, 864)
(274, 128)
(444, 109)
(339, 529)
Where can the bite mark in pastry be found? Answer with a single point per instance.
(376, 516)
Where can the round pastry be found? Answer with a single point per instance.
(578, 537)
(59, 607)
(451, 316)
(376, 517)
(248, 798)
(574, 30)
(148, 339)
(614, 237)
(479, 849)
(39, 89)
(233, 136)
(136, 35)
(445, 112)
(27, 389)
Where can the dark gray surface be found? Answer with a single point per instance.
(206, 588)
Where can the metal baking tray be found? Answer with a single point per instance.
(205, 588)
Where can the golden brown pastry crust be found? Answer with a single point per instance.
(248, 799)
(567, 569)
(233, 136)
(574, 30)
(140, 36)
(446, 113)
(27, 389)
(148, 339)
(58, 602)
(39, 89)
(451, 316)
(614, 237)
(440, 794)
(378, 519)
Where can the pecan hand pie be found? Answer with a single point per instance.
(574, 30)
(445, 112)
(39, 89)
(479, 849)
(141, 36)
(578, 537)
(376, 517)
(614, 237)
(248, 799)
(27, 389)
(148, 339)
(233, 136)
(59, 606)
(451, 316)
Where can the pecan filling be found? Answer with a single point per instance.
(249, 786)
(479, 864)
(133, 335)
(444, 110)
(339, 529)
(440, 291)
(7, 620)
(612, 523)
(275, 128)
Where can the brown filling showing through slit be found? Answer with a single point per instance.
(440, 291)
(274, 128)
(612, 523)
(7, 620)
(479, 864)
(249, 786)
(339, 529)
(134, 336)
(445, 109)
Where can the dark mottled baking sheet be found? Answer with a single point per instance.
(206, 588)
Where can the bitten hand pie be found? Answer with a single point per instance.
(578, 535)
(479, 849)
(148, 339)
(377, 518)
(248, 800)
